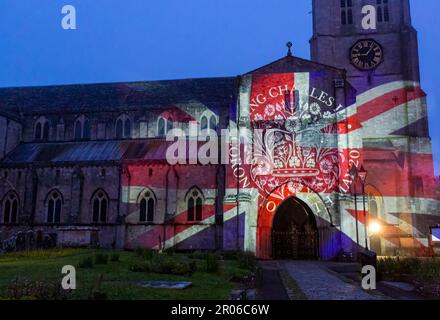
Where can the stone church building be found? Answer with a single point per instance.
(86, 165)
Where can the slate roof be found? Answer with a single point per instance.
(153, 150)
(116, 96)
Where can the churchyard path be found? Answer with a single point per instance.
(318, 283)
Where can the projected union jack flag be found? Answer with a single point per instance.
(300, 133)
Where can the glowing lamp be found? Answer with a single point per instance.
(375, 227)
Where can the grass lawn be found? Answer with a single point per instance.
(118, 281)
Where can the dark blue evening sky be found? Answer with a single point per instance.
(130, 40)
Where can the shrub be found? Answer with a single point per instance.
(183, 268)
(200, 255)
(236, 275)
(212, 263)
(160, 264)
(247, 260)
(86, 262)
(115, 256)
(430, 270)
(101, 258)
(165, 265)
(139, 252)
(230, 255)
(144, 253)
(193, 266)
(140, 267)
(409, 266)
(423, 269)
(38, 290)
(170, 251)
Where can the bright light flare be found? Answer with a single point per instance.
(375, 227)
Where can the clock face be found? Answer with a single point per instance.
(366, 54)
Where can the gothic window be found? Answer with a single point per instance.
(42, 129)
(164, 126)
(119, 129)
(213, 123)
(204, 123)
(123, 127)
(383, 13)
(169, 125)
(346, 12)
(54, 202)
(82, 128)
(10, 208)
(208, 121)
(99, 207)
(195, 205)
(147, 206)
(291, 100)
(161, 127)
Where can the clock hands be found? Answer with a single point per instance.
(366, 54)
(369, 51)
(363, 54)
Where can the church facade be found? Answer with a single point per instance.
(88, 164)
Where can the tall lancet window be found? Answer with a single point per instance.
(346, 12)
(383, 13)
(195, 205)
(10, 208)
(164, 126)
(146, 207)
(54, 202)
(291, 101)
(123, 127)
(82, 128)
(208, 121)
(99, 207)
(41, 131)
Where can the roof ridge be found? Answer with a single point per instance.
(114, 83)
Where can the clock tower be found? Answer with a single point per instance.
(392, 134)
(371, 57)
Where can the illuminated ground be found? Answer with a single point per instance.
(118, 281)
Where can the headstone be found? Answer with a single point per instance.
(20, 243)
(30, 240)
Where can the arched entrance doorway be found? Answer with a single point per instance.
(294, 232)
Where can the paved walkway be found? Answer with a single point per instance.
(318, 283)
(271, 286)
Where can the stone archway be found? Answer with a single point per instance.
(328, 241)
(294, 232)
